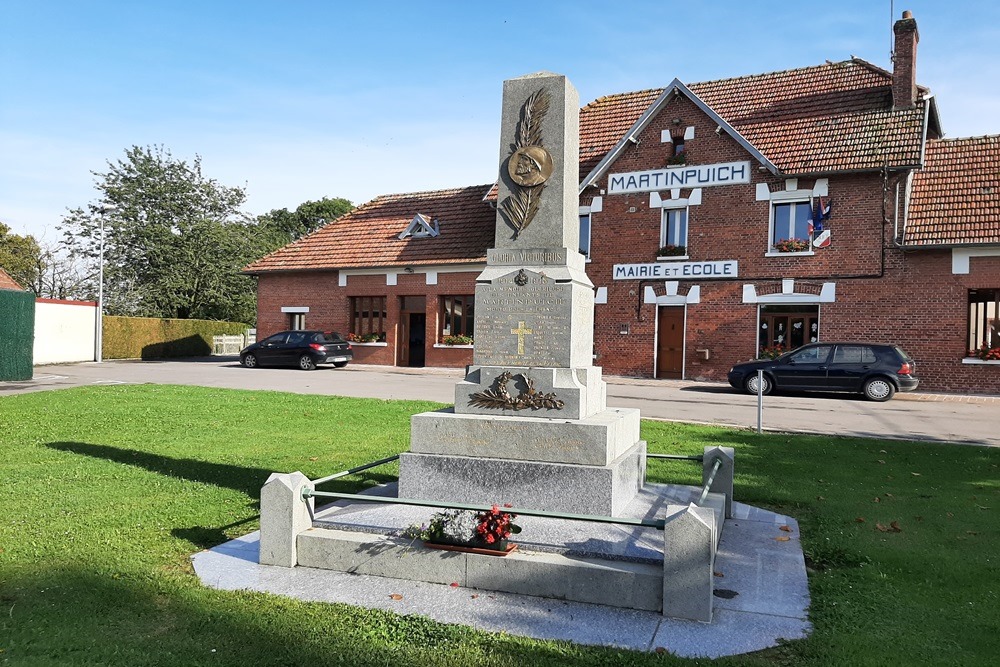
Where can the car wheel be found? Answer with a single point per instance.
(751, 384)
(249, 361)
(879, 389)
(306, 363)
(340, 364)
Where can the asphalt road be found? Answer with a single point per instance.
(918, 416)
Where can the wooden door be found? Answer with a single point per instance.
(670, 342)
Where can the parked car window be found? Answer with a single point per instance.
(854, 354)
(296, 339)
(276, 339)
(811, 355)
(328, 337)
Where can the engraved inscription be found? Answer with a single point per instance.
(527, 257)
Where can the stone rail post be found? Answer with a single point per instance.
(688, 559)
(723, 482)
(284, 513)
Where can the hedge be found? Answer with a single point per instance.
(17, 334)
(155, 338)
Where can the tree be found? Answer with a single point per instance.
(20, 257)
(174, 240)
(284, 227)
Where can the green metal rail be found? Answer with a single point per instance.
(676, 457)
(351, 471)
(624, 521)
(708, 482)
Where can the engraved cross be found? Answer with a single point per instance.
(521, 332)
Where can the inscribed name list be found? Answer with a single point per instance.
(523, 325)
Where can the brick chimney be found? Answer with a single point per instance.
(904, 62)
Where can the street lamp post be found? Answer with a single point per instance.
(102, 212)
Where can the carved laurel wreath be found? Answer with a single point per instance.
(498, 397)
(522, 205)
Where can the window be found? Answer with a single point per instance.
(790, 226)
(984, 318)
(296, 320)
(368, 316)
(787, 327)
(458, 315)
(674, 231)
(585, 235)
(812, 355)
(854, 354)
(678, 145)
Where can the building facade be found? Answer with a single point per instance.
(720, 221)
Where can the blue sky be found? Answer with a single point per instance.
(301, 100)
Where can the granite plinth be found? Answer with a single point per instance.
(597, 440)
(616, 583)
(581, 390)
(560, 487)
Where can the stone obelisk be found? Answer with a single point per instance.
(530, 424)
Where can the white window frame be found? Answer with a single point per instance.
(596, 206)
(590, 226)
(787, 197)
(674, 205)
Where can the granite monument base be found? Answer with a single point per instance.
(602, 490)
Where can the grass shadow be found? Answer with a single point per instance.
(239, 478)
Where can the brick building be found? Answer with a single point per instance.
(718, 219)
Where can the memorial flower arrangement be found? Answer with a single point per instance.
(489, 528)
(671, 250)
(457, 339)
(986, 353)
(792, 245)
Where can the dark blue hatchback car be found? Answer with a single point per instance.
(305, 349)
(876, 370)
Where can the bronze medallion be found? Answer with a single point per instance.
(530, 166)
(521, 278)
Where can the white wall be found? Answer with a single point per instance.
(64, 331)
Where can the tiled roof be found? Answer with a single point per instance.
(605, 121)
(956, 196)
(6, 282)
(830, 117)
(368, 236)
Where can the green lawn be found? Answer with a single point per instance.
(107, 491)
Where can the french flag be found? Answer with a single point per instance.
(820, 213)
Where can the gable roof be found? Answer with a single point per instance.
(647, 116)
(955, 198)
(811, 120)
(6, 282)
(368, 236)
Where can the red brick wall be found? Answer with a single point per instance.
(910, 298)
(329, 308)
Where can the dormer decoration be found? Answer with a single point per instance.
(421, 227)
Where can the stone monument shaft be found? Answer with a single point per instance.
(530, 424)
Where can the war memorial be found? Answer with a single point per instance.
(531, 430)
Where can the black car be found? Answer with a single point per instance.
(305, 349)
(878, 371)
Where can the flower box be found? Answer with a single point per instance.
(501, 548)
(468, 530)
(670, 250)
(792, 245)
